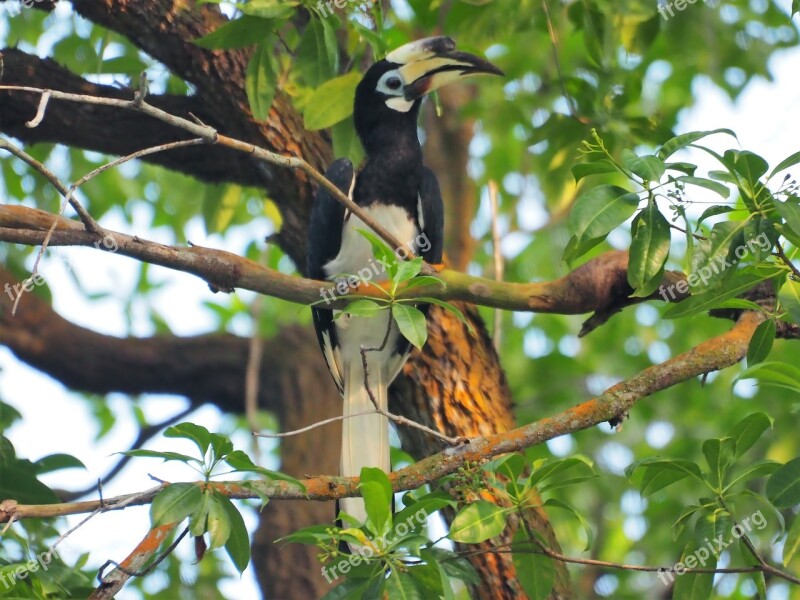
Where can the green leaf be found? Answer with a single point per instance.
(408, 269)
(56, 462)
(198, 520)
(709, 184)
(452, 308)
(238, 33)
(581, 170)
(221, 446)
(167, 456)
(689, 586)
(575, 467)
(317, 54)
(345, 141)
(455, 566)
(351, 589)
(680, 141)
(364, 308)
(478, 522)
(261, 82)
(737, 284)
(174, 503)
(587, 528)
(792, 543)
(535, 571)
(20, 484)
(711, 260)
(789, 212)
(777, 374)
(268, 9)
(219, 522)
(510, 465)
(713, 211)
(190, 431)
(241, 462)
(783, 487)
(377, 493)
(427, 505)
(662, 472)
(424, 281)
(402, 586)
(761, 468)
(238, 544)
(789, 297)
(220, 203)
(649, 250)
(600, 210)
(747, 164)
(649, 168)
(720, 454)
(576, 247)
(331, 102)
(411, 323)
(787, 162)
(749, 430)
(381, 251)
(761, 342)
(723, 176)
(683, 167)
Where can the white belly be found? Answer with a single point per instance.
(355, 252)
(355, 258)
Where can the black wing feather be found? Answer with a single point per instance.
(324, 241)
(432, 217)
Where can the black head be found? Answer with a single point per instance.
(389, 95)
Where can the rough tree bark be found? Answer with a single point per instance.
(457, 385)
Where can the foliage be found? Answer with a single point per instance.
(591, 137)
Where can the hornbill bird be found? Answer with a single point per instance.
(401, 194)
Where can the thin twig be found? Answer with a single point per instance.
(34, 122)
(313, 426)
(145, 434)
(497, 330)
(787, 261)
(714, 354)
(68, 193)
(211, 136)
(571, 104)
(453, 441)
(252, 375)
(150, 567)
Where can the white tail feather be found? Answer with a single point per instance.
(365, 439)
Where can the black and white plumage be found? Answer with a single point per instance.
(401, 194)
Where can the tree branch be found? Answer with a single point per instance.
(712, 355)
(598, 285)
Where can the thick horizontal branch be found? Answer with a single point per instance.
(109, 129)
(599, 285)
(213, 137)
(717, 353)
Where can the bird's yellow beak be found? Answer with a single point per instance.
(431, 63)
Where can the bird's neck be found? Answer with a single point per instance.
(393, 169)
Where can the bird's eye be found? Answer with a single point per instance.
(394, 83)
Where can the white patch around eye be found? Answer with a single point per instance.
(400, 104)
